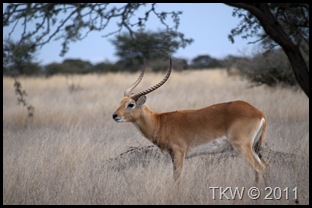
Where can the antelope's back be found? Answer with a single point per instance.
(209, 122)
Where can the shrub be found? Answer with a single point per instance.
(271, 68)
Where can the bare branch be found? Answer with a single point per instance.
(282, 36)
(82, 19)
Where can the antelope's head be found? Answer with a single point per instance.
(130, 107)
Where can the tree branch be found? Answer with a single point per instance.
(76, 25)
(271, 26)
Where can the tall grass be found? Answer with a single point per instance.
(72, 152)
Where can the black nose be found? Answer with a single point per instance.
(114, 115)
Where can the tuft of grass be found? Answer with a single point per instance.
(72, 152)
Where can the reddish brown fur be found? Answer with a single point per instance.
(179, 131)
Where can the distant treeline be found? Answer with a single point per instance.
(271, 68)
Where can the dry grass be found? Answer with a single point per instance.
(71, 151)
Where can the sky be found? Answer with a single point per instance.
(208, 24)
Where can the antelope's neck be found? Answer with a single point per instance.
(148, 123)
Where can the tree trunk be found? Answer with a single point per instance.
(270, 25)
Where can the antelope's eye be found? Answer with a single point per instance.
(130, 105)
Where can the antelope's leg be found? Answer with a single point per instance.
(178, 157)
(251, 157)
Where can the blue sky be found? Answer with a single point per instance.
(207, 23)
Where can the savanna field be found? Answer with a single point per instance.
(72, 151)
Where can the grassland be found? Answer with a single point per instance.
(72, 152)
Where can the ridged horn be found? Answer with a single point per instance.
(144, 92)
(131, 88)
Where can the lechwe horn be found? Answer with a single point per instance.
(144, 92)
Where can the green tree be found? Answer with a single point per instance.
(19, 59)
(54, 68)
(106, 66)
(69, 66)
(204, 62)
(150, 45)
(77, 66)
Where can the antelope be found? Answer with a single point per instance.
(186, 133)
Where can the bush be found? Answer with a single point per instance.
(271, 68)
(69, 66)
(205, 62)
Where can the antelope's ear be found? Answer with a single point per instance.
(141, 101)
